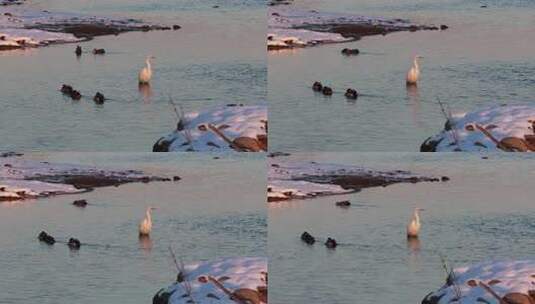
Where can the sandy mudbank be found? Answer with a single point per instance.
(225, 281)
(224, 128)
(22, 27)
(300, 180)
(498, 128)
(496, 282)
(23, 178)
(290, 28)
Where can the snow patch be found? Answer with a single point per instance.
(233, 273)
(299, 180)
(290, 27)
(25, 179)
(502, 122)
(503, 277)
(19, 38)
(21, 27)
(232, 121)
(291, 38)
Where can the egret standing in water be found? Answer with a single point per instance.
(145, 226)
(413, 228)
(413, 75)
(146, 73)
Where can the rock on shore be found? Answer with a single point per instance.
(300, 180)
(245, 128)
(244, 277)
(22, 178)
(289, 27)
(512, 281)
(512, 126)
(24, 27)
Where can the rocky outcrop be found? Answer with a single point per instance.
(225, 128)
(507, 128)
(302, 180)
(24, 178)
(225, 281)
(289, 28)
(495, 282)
(25, 27)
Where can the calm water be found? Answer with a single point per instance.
(485, 58)
(198, 216)
(486, 211)
(218, 57)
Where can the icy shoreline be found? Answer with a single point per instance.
(29, 179)
(292, 28)
(243, 277)
(223, 128)
(22, 27)
(497, 128)
(510, 281)
(301, 180)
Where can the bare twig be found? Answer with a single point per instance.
(451, 277)
(225, 290)
(178, 267)
(225, 138)
(442, 108)
(449, 119)
(173, 105)
(182, 270)
(499, 145)
(494, 294)
(181, 121)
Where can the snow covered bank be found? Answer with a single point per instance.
(289, 27)
(243, 278)
(23, 178)
(22, 27)
(511, 281)
(279, 39)
(13, 189)
(223, 128)
(498, 128)
(300, 180)
(20, 38)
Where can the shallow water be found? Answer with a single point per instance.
(484, 212)
(485, 58)
(198, 216)
(213, 60)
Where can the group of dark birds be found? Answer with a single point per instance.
(330, 243)
(328, 91)
(73, 244)
(75, 95)
(78, 51)
(310, 240)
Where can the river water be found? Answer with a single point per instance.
(217, 210)
(484, 212)
(485, 58)
(217, 57)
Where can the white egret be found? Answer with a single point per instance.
(413, 228)
(146, 73)
(413, 75)
(145, 226)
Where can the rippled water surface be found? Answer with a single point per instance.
(484, 212)
(485, 58)
(218, 57)
(206, 215)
